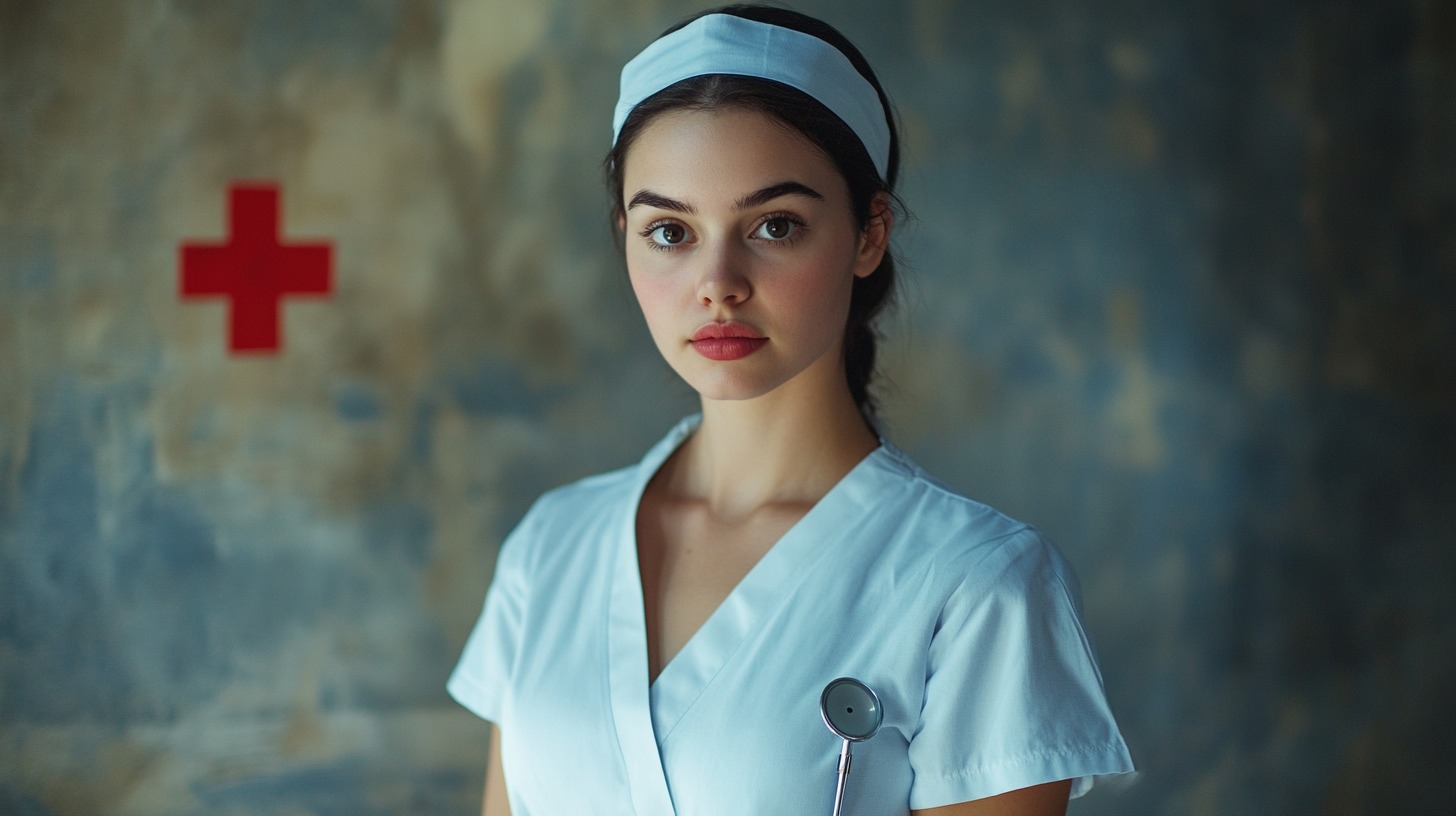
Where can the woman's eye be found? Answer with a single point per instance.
(667, 234)
(777, 228)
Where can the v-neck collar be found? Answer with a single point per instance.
(647, 714)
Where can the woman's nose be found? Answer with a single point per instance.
(721, 279)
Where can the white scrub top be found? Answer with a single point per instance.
(964, 622)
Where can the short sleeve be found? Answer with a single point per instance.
(1013, 695)
(482, 676)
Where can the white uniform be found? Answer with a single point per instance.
(965, 622)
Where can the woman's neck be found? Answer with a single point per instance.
(775, 449)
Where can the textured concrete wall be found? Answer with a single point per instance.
(1180, 291)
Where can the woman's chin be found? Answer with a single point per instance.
(726, 387)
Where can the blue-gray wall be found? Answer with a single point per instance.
(1180, 291)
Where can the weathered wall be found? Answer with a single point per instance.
(1180, 292)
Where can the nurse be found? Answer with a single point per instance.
(656, 639)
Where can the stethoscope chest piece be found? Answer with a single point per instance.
(852, 711)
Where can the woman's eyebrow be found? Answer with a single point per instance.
(660, 201)
(773, 191)
(753, 199)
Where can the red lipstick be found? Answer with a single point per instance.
(726, 341)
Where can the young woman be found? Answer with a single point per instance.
(656, 639)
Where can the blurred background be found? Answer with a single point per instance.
(1179, 292)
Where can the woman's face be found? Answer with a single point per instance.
(742, 250)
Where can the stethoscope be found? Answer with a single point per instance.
(852, 711)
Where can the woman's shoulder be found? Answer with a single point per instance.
(934, 506)
(584, 496)
(595, 508)
(960, 534)
(568, 523)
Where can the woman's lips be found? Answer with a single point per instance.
(726, 341)
(728, 348)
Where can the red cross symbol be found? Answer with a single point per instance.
(253, 270)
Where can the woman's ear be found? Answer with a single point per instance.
(874, 241)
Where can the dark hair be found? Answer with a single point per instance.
(825, 131)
